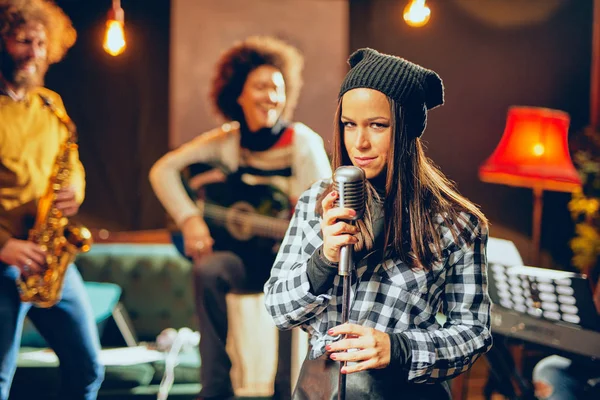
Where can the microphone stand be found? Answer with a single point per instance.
(345, 268)
(350, 181)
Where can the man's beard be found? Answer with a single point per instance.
(16, 77)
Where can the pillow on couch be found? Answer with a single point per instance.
(103, 297)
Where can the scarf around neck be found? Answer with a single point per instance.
(264, 138)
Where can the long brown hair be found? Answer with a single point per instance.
(417, 193)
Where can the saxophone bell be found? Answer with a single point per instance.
(78, 237)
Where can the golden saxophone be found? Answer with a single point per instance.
(60, 238)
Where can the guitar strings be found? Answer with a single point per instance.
(274, 225)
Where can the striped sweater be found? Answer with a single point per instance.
(292, 164)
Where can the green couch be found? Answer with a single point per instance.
(154, 278)
(156, 294)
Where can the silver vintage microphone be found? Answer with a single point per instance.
(350, 185)
(349, 182)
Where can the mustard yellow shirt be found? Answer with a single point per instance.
(30, 138)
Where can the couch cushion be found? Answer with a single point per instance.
(103, 298)
(155, 279)
(186, 371)
(46, 376)
(127, 376)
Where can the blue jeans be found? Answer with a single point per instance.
(68, 327)
(567, 380)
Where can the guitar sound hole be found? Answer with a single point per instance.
(239, 221)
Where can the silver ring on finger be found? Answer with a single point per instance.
(199, 245)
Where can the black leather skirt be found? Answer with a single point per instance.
(318, 380)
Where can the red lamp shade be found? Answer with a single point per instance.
(533, 152)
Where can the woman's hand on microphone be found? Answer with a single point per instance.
(372, 348)
(336, 231)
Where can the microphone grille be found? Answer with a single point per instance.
(350, 184)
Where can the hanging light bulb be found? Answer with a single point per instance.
(114, 38)
(416, 13)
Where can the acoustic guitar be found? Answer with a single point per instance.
(249, 220)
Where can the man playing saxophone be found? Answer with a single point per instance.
(33, 35)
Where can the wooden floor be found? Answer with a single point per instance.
(475, 382)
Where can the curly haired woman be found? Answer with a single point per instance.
(255, 90)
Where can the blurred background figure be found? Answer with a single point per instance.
(258, 158)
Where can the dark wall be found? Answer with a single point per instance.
(220, 23)
(120, 105)
(489, 63)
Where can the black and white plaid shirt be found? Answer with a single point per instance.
(389, 296)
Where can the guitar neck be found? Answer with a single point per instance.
(260, 225)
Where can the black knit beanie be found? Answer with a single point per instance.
(413, 87)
